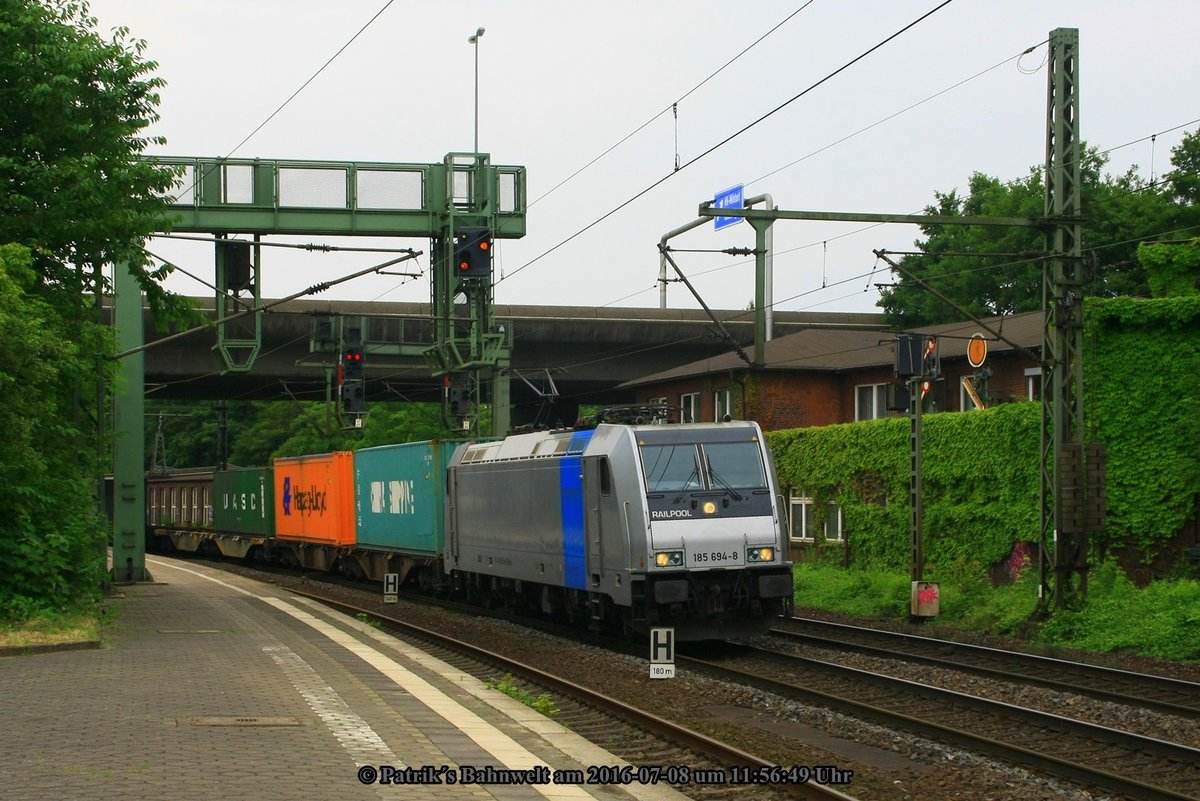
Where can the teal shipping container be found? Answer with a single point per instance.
(399, 496)
(244, 502)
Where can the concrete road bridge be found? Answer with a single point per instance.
(587, 351)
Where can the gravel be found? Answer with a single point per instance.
(886, 764)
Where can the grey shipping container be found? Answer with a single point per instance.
(399, 495)
(244, 501)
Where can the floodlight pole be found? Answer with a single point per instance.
(474, 40)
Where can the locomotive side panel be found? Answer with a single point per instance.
(507, 521)
(617, 522)
(314, 499)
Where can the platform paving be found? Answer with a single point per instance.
(212, 686)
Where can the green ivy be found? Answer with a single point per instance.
(1143, 400)
(980, 480)
(1173, 270)
(980, 468)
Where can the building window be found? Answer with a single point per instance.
(833, 522)
(1033, 383)
(802, 524)
(870, 401)
(691, 407)
(722, 404)
(657, 401)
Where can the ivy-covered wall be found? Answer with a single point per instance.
(981, 479)
(1142, 361)
(980, 476)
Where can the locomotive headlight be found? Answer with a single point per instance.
(760, 555)
(668, 558)
(710, 508)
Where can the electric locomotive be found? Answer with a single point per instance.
(621, 526)
(636, 526)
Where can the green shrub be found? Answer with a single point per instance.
(1162, 620)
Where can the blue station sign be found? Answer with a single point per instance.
(729, 199)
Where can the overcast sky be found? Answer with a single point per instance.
(560, 82)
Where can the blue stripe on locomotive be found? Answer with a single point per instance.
(570, 473)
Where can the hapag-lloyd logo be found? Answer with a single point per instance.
(308, 502)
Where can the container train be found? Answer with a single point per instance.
(618, 526)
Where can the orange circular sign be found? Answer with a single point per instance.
(976, 350)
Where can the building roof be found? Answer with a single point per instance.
(840, 349)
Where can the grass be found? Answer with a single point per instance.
(542, 703)
(53, 628)
(363, 617)
(1161, 620)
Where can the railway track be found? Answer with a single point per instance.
(1113, 761)
(1119, 762)
(658, 749)
(1159, 693)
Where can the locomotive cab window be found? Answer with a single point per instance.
(735, 464)
(714, 465)
(671, 468)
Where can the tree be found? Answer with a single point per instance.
(1185, 178)
(74, 194)
(1120, 211)
(51, 545)
(75, 108)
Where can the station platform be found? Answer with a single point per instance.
(212, 686)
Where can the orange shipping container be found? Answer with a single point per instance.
(314, 498)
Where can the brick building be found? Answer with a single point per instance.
(821, 376)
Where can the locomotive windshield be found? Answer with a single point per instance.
(735, 464)
(671, 468)
(726, 465)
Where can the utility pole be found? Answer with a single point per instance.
(1072, 496)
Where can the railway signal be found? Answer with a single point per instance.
(473, 252)
(354, 401)
(353, 368)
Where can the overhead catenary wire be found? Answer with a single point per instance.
(873, 226)
(896, 114)
(319, 287)
(736, 134)
(839, 141)
(672, 107)
(293, 95)
(626, 352)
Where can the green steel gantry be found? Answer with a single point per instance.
(261, 197)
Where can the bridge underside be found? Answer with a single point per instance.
(587, 352)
